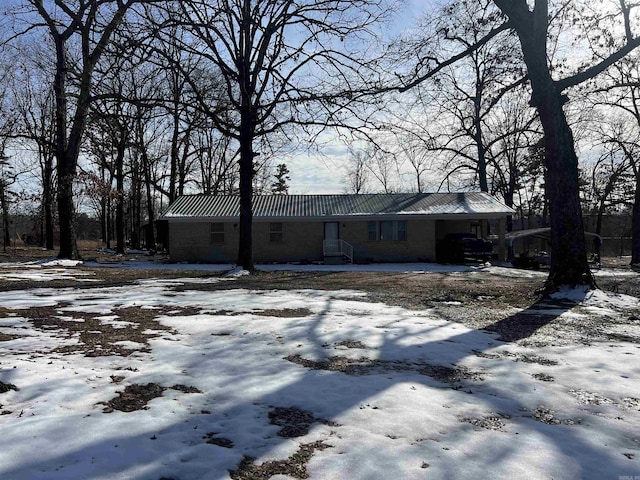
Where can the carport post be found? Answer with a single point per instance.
(502, 248)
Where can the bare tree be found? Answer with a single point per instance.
(515, 131)
(411, 150)
(8, 175)
(34, 106)
(469, 90)
(357, 173)
(620, 91)
(534, 23)
(607, 178)
(80, 32)
(383, 166)
(276, 58)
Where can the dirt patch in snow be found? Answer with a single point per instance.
(294, 421)
(136, 396)
(7, 338)
(349, 366)
(491, 422)
(517, 357)
(211, 439)
(445, 374)
(584, 397)
(97, 337)
(351, 344)
(543, 414)
(543, 377)
(366, 366)
(295, 466)
(284, 312)
(5, 387)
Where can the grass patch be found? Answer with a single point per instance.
(98, 337)
(136, 396)
(284, 312)
(295, 466)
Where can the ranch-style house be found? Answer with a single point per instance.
(402, 227)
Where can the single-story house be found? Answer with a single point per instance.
(402, 227)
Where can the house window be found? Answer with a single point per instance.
(401, 230)
(216, 232)
(372, 228)
(387, 230)
(275, 232)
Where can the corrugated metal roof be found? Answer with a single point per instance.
(322, 206)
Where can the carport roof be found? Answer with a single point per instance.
(301, 207)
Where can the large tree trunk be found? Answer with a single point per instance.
(245, 137)
(569, 264)
(67, 150)
(245, 247)
(568, 249)
(66, 215)
(66, 164)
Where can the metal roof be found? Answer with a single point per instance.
(298, 207)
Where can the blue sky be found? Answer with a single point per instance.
(324, 173)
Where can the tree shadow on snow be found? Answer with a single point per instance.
(527, 322)
(330, 395)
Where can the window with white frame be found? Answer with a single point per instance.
(387, 230)
(216, 232)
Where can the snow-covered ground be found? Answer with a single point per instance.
(372, 391)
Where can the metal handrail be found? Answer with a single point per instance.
(337, 248)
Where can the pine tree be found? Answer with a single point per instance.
(280, 187)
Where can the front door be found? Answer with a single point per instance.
(331, 230)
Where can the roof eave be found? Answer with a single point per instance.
(336, 218)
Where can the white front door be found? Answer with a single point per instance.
(331, 230)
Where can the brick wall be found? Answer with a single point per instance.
(302, 241)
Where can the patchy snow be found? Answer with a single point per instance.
(237, 272)
(45, 271)
(42, 272)
(61, 263)
(409, 394)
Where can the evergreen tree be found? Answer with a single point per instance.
(280, 187)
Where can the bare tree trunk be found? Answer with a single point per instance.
(120, 226)
(568, 249)
(146, 168)
(109, 223)
(508, 201)
(66, 163)
(47, 200)
(245, 247)
(479, 141)
(635, 225)
(66, 216)
(6, 237)
(103, 221)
